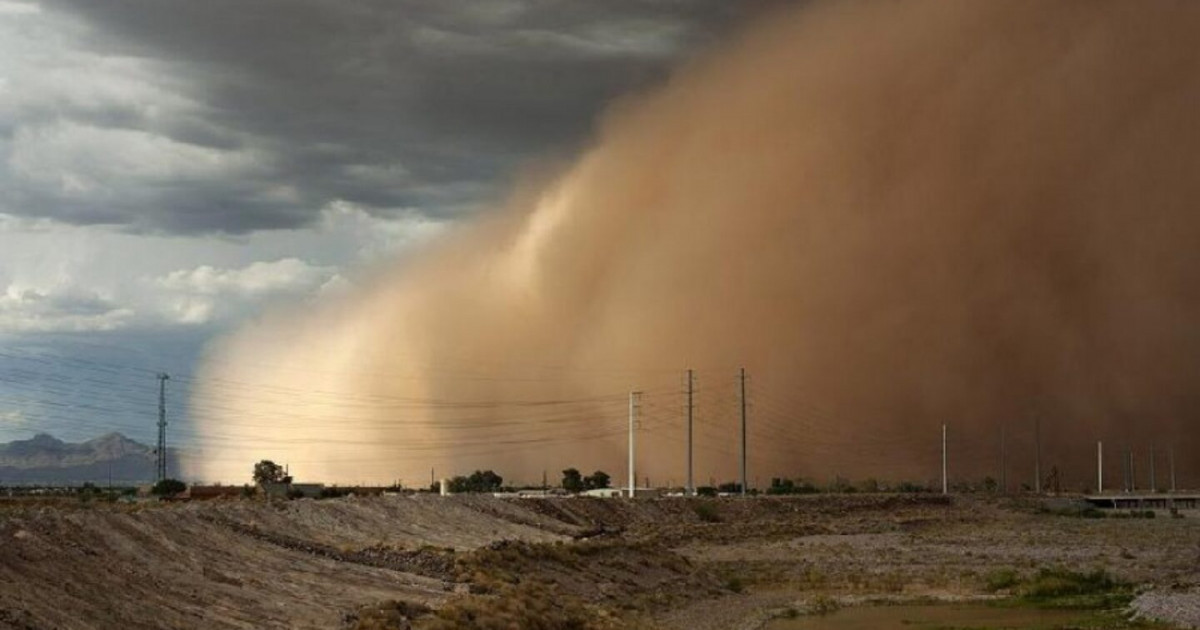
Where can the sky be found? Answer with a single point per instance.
(169, 168)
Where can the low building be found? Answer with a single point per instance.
(607, 493)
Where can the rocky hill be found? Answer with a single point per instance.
(46, 459)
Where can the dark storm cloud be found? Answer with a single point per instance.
(415, 104)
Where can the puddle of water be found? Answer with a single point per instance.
(930, 617)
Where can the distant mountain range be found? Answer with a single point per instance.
(46, 459)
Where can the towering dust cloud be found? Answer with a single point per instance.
(894, 215)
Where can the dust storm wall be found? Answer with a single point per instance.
(894, 215)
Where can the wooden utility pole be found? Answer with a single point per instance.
(633, 409)
(742, 379)
(945, 482)
(691, 485)
(1003, 462)
(1037, 453)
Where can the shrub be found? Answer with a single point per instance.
(707, 512)
(1072, 586)
(388, 615)
(1001, 579)
(168, 487)
(823, 605)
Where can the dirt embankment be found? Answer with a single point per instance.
(391, 562)
(298, 564)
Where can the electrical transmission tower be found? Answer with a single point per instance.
(160, 472)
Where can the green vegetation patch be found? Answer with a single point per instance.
(1063, 588)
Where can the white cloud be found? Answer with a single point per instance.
(285, 275)
(63, 309)
(371, 237)
(155, 281)
(205, 293)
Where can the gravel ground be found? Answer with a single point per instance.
(1180, 608)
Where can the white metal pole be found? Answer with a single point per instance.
(1099, 467)
(945, 481)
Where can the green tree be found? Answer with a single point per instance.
(597, 480)
(268, 471)
(168, 487)
(478, 481)
(485, 481)
(572, 481)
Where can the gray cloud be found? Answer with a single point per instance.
(228, 116)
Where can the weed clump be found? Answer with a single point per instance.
(823, 605)
(389, 615)
(1001, 580)
(1063, 588)
(707, 512)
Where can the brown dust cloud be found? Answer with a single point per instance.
(893, 215)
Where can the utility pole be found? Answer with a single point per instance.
(1153, 480)
(1132, 471)
(1125, 470)
(161, 465)
(742, 379)
(633, 409)
(691, 485)
(945, 482)
(1003, 462)
(1171, 462)
(1099, 467)
(1037, 453)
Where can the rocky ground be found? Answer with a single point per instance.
(476, 561)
